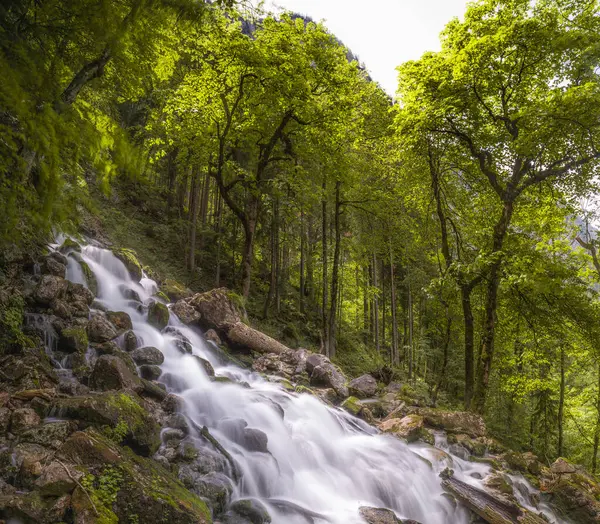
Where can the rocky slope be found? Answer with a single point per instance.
(89, 435)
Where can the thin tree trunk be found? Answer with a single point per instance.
(195, 194)
(394, 359)
(331, 340)
(219, 220)
(204, 209)
(561, 403)
(325, 284)
(302, 262)
(375, 306)
(597, 429)
(310, 278)
(410, 334)
(274, 256)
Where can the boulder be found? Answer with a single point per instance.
(185, 312)
(148, 355)
(57, 479)
(214, 487)
(452, 421)
(51, 434)
(150, 372)
(219, 309)
(378, 515)
(180, 341)
(120, 320)
(131, 341)
(53, 265)
(123, 413)
(23, 418)
(251, 509)
(323, 373)
(175, 291)
(158, 315)
(111, 372)
(409, 428)
(129, 258)
(100, 329)
(129, 293)
(73, 338)
(50, 288)
(141, 489)
(212, 336)
(363, 386)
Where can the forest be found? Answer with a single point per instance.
(445, 237)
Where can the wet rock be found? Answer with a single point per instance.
(378, 516)
(409, 428)
(158, 315)
(172, 436)
(255, 440)
(185, 312)
(148, 355)
(178, 421)
(363, 386)
(131, 341)
(73, 339)
(50, 288)
(205, 365)
(153, 390)
(54, 264)
(524, 462)
(173, 403)
(212, 336)
(129, 293)
(500, 483)
(22, 419)
(112, 409)
(120, 320)
(181, 342)
(129, 258)
(251, 509)
(215, 487)
(110, 372)
(150, 372)
(323, 373)
(57, 479)
(69, 245)
(100, 329)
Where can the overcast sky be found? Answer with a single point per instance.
(382, 33)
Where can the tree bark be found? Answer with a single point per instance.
(331, 332)
(274, 257)
(193, 219)
(597, 429)
(394, 359)
(375, 306)
(489, 330)
(561, 403)
(302, 263)
(325, 287)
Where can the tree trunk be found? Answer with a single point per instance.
(249, 233)
(446, 345)
(219, 220)
(375, 306)
(274, 256)
(487, 342)
(469, 329)
(302, 263)
(597, 429)
(561, 402)
(325, 284)
(204, 208)
(394, 359)
(331, 332)
(410, 334)
(195, 194)
(310, 278)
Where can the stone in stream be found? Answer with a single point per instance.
(323, 373)
(148, 355)
(110, 372)
(129, 293)
(205, 365)
(150, 372)
(185, 312)
(158, 315)
(252, 510)
(50, 288)
(119, 319)
(378, 515)
(180, 341)
(100, 329)
(57, 479)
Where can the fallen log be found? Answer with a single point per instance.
(245, 337)
(489, 508)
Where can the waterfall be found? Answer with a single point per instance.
(320, 463)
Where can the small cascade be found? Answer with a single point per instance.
(304, 460)
(43, 325)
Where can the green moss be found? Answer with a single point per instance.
(11, 322)
(69, 245)
(162, 296)
(90, 278)
(304, 389)
(75, 338)
(237, 300)
(352, 405)
(129, 258)
(158, 315)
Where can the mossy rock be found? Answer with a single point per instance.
(126, 487)
(129, 258)
(121, 414)
(90, 278)
(74, 339)
(162, 296)
(69, 245)
(352, 405)
(304, 389)
(174, 290)
(158, 315)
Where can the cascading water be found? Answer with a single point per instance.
(322, 464)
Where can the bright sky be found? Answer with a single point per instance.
(382, 33)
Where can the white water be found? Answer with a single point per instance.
(320, 458)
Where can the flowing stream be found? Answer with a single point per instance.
(322, 464)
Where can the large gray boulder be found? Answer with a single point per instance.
(100, 329)
(325, 374)
(148, 355)
(110, 372)
(363, 386)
